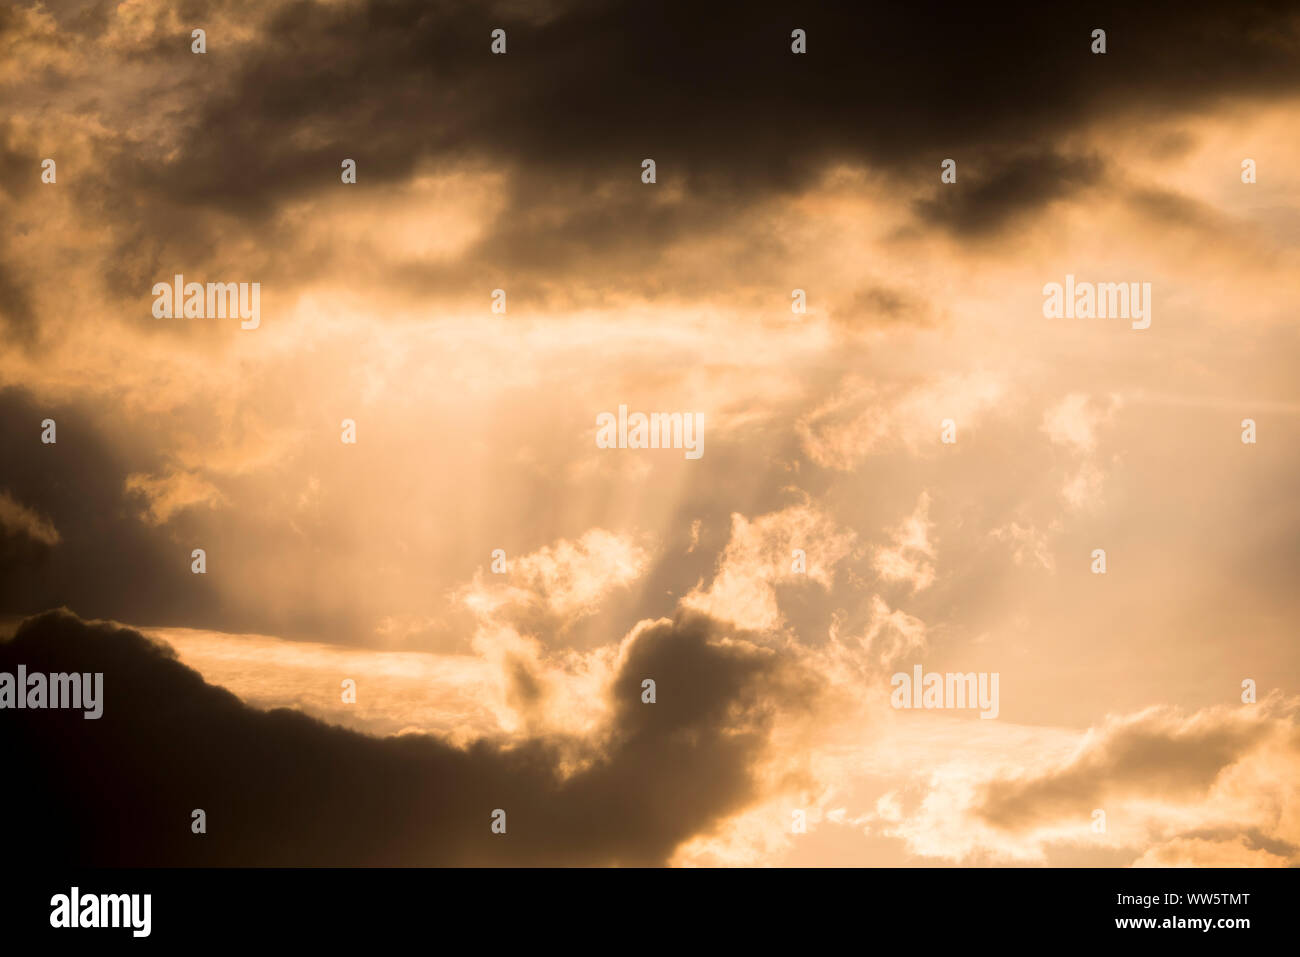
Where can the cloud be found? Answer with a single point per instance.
(864, 418)
(280, 788)
(16, 309)
(173, 491)
(406, 88)
(510, 106)
(1213, 787)
(760, 555)
(1028, 545)
(400, 690)
(18, 519)
(1073, 424)
(892, 634)
(910, 557)
(997, 195)
(1198, 852)
(106, 560)
(566, 579)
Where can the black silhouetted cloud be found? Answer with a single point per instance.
(280, 788)
(260, 123)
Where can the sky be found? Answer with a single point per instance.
(398, 478)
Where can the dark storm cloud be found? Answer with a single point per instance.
(281, 788)
(108, 563)
(995, 196)
(711, 92)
